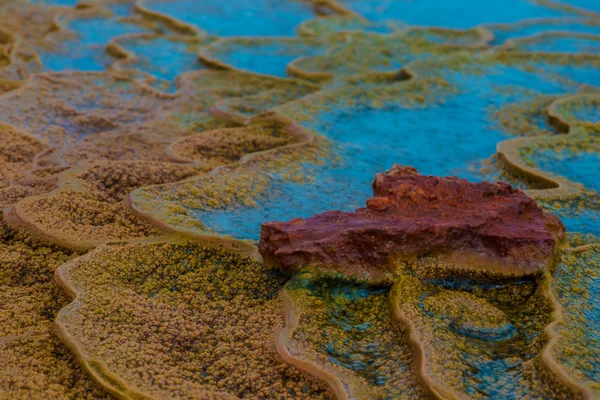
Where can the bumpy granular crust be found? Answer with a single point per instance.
(180, 320)
(205, 304)
(115, 180)
(487, 227)
(128, 144)
(62, 108)
(80, 220)
(35, 364)
(18, 180)
(225, 146)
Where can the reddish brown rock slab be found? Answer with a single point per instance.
(424, 222)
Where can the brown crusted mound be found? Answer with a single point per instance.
(483, 227)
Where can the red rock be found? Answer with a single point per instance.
(421, 222)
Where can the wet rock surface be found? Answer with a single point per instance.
(424, 221)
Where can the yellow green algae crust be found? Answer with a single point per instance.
(365, 52)
(575, 343)
(18, 59)
(179, 319)
(449, 359)
(247, 181)
(35, 364)
(529, 43)
(59, 108)
(114, 180)
(75, 191)
(343, 332)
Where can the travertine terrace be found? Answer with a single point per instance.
(143, 144)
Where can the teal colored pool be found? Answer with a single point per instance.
(163, 57)
(86, 51)
(452, 138)
(238, 17)
(562, 44)
(581, 167)
(266, 57)
(501, 34)
(450, 14)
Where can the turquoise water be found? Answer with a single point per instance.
(503, 33)
(369, 141)
(442, 139)
(238, 17)
(591, 5)
(122, 10)
(163, 57)
(582, 167)
(86, 52)
(589, 112)
(451, 14)
(562, 44)
(584, 220)
(266, 58)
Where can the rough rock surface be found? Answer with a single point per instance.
(421, 221)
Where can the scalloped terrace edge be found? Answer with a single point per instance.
(95, 368)
(538, 175)
(207, 55)
(245, 247)
(547, 361)
(14, 217)
(158, 218)
(183, 28)
(540, 36)
(285, 349)
(436, 387)
(509, 157)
